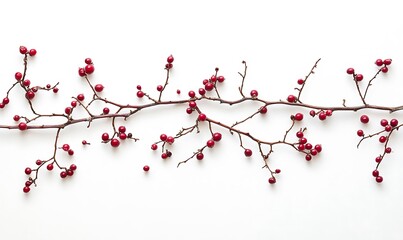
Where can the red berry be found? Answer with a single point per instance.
(159, 88)
(105, 137)
(318, 148)
(379, 179)
(84, 142)
(49, 167)
(6, 100)
(140, 94)
(384, 69)
(170, 139)
(189, 110)
(313, 152)
(28, 183)
(80, 97)
(301, 147)
(154, 147)
(168, 65)
(322, 116)
(291, 98)
(192, 104)
(70, 152)
(384, 122)
(178, 91)
(115, 142)
(26, 189)
(360, 133)
(379, 62)
(350, 71)
(303, 140)
(359, 77)
(205, 81)
(382, 139)
(26, 83)
(210, 143)
(23, 50)
(217, 136)
(308, 157)
(394, 122)
(73, 103)
(89, 69)
(2, 105)
(202, 117)
(164, 156)
(308, 146)
(146, 168)
(388, 128)
(30, 95)
(69, 172)
(312, 113)
(213, 78)
(220, 79)
(32, 52)
(48, 86)
(387, 61)
(388, 150)
(122, 136)
(105, 110)
(81, 72)
(55, 90)
(68, 110)
(18, 76)
(299, 116)
(191, 94)
(263, 110)
(209, 86)
(22, 126)
(375, 173)
(248, 152)
(364, 119)
(99, 88)
(300, 81)
(329, 113)
(299, 134)
(272, 180)
(378, 159)
(28, 170)
(202, 91)
(88, 61)
(277, 171)
(254, 93)
(163, 137)
(66, 147)
(200, 156)
(170, 59)
(63, 174)
(122, 129)
(16, 118)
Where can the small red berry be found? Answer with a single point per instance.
(300, 81)
(88, 61)
(115, 142)
(170, 140)
(68, 110)
(178, 91)
(191, 94)
(209, 86)
(318, 148)
(146, 168)
(6, 100)
(138, 87)
(32, 52)
(313, 152)
(84, 142)
(122, 136)
(308, 146)
(73, 103)
(163, 137)
(200, 156)
(387, 61)
(220, 79)
(248, 152)
(168, 65)
(49, 167)
(170, 59)
(30, 95)
(388, 150)
(329, 113)
(217, 136)
(26, 83)
(202, 91)
(263, 110)
(291, 98)
(350, 71)
(322, 116)
(210, 143)
(66, 147)
(299, 117)
(28, 183)
(189, 110)
(16, 118)
(359, 77)
(301, 147)
(28, 170)
(205, 81)
(164, 156)
(140, 94)
(360, 133)
(384, 122)
(364, 119)
(105, 110)
(213, 78)
(379, 179)
(382, 139)
(89, 68)
(154, 147)
(272, 180)
(299, 134)
(18, 76)
(55, 90)
(202, 117)
(384, 69)
(388, 128)
(277, 171)
(22, 126)
(63, 174)
(379, 62)
(312, 113)
(99, 88)
(23, 50)
(308, 157)
(81, 72)
(80, 97)
(105, 137)
(378, 159)
(122, 129)
(375, 173)
(159, 88)
(192, 104)
(394, 122)
(70, 152)
(48, 86)
(26, 189)
(303, 140)
(70, 172)
(254, 93)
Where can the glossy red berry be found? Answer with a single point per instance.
(84, 142)
(272, 180)
(350, 71)
(73, 104)
(192, 94)
(318, 148)
(291, 98)
(170, 140)
(202, 91)
(16, 118)
(379, 62)
(146, 168)
(312, 113)
(388, 128)
(199, 156)
(379, 179)
(115, 142)
(263, 110)
(192, 104)
(49, 167)
(209, 86)
(122, 136)
(81, 72)
(68, 110)
(69, 172)
(26, 82)
(364, 119)
(210, 143)
(168, 65)
(122, 129)
(55, 90)
(329, 113)
(105, 137)
(277, 171)
(18, 76)
(322, 116)
(170, 59)
(105, 110)
(23, 50)
(80, 97)
(28, 170)
(299, 134)
(303, 140)
(99, 87)
(28, 183)
(394, 122)
(189, 110)
(220, 79)
(388, 150)
(159, 88)
(205, 81)
(301, 147)
(385, 69)
(382, 139)
(6, 100)
(375, 173)
(308, 157)
(178, 91)
(300, 81)
(66, 147)
(308, 146)
(299, 117)
(248, 152)
(360, 133)
(22, 126)
(217, 136)
(154, 147)
(384, 122)
(88, 61)
(387, 61)
(26, 189)
(30, 95)
(313, 152)
(140, 94)
(32, 52)
(254, 93)
(164, 156)
(202, 117)
(378, 159)
(63, 174)
(163, 137)
(70, 152)
(89, 68)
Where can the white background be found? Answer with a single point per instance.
(226, 196)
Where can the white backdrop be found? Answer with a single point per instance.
(225, 196)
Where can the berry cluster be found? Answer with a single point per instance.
(209, 91)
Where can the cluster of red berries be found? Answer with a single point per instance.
(379, 62)
(322, 114)
(114, 141)
(24, 50)
(88, 69)
(170, 60)
(306, 147)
